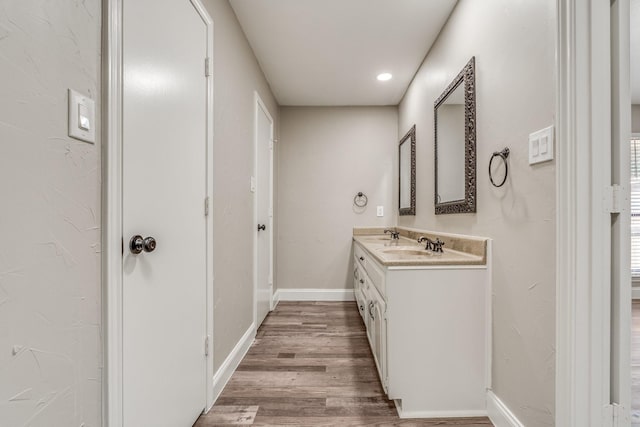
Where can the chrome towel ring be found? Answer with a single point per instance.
(502, 154)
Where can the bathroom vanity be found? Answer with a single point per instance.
(428, 319)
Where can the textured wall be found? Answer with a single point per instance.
(327, 155)
(236, 75)
(50, 308)
(514, 45)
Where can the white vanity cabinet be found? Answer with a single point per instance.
(429, 331)
(373, 307)
(358, 289)
(377, 333)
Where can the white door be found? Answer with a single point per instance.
(164, 177)
(264, 150)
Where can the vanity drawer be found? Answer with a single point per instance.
(376, 276)
(360, 255)
(369, 267)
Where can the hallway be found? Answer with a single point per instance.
(311, 365)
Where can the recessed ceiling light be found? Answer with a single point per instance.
(383, 77)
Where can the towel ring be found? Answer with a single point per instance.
(360, 200)
(502, 154)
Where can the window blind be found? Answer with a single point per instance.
(635, 207)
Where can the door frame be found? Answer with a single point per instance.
(112, 237)
(260, 105)
(592, 262)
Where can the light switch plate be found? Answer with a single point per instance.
(541, 146)
(82, 117)
(380, 211)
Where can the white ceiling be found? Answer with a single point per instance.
(635, 51)
(329, 52)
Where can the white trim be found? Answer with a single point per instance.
(499, 414)
(230, 364)
(315, 295)
(112, 213)
(583, 269)
(260, 105)
(621, 237)
(488, 326)
(275, 299)
(437, 414)
(208, 21)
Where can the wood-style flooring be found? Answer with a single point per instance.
(311, 365)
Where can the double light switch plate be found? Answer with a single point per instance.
(541, 146)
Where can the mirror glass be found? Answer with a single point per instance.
(455, 145)
(451, 147)
(407, 173)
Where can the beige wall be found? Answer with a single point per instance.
(50, 305)
(513, 43)
(236, 76)
(635, 118)
(327, 155)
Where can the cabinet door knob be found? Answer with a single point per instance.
(361, 258)
(361, 281)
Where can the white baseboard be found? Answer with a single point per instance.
(275, 299)
(499, 414)
(232, 361)
(315, 295)
(438, 414)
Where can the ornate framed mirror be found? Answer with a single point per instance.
(455, 144)
(407, 173)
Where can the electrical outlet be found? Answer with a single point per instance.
(380, 211)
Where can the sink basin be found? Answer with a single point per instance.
(407, 251)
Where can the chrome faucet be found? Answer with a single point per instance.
(394, 234)
(434, 246)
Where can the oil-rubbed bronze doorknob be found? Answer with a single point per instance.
(137, 244)
(149, 244)
(262, 227)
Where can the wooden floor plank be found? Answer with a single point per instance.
(311, 365)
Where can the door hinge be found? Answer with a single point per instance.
(206, 346)
(614, 198)
(206, 206)
(208, 66)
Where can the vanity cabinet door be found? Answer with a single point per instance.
(358, 289)
(378, 335)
